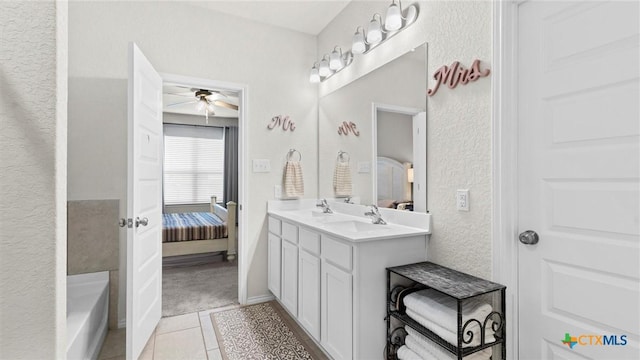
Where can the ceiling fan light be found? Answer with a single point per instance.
(201, 104)
(324, 70)
(210, 108)
(335, 60)
(393, 20)
(374, 31)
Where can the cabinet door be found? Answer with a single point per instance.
(275, 256)
(290, 277)
(309, 293)
(337, 312)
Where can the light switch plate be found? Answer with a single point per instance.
(462, 199)
(364, 167)
(261, 165)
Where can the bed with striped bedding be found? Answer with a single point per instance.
(192, 226)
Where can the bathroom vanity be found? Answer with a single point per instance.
(328, 269)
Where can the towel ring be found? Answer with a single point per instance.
(341, 155)
(291, 152)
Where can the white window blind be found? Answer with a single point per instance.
(193, 164)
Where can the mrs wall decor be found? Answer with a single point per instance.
(284, 121)
(457, 74)
(346, 127)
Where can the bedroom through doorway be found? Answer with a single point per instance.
(200, 198)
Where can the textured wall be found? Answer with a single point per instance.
(33, 88)
(458, 120)
(192, 41)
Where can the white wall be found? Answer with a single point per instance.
(33, 159)
(458, 120)
(192, 41)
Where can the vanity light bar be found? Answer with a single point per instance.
(363, 41)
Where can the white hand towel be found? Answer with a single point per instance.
(452, 336)
(342, 179)
(404, 353)
(427, 349)
(293, 180)
(443, 310)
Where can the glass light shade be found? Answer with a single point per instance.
(374, 32)
(393, 20)
(314, 77)
(201, 104)
(324, 70)
(335, 61)
(210, 109)
(357, 44)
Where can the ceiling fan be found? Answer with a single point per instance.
(205, 100)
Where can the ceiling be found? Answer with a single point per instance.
(307, 16)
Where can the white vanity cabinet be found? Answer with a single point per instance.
(274, 249)
(335, 287)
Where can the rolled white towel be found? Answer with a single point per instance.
(443, 310)
(452, 336)
(428, 349)
(404, 353)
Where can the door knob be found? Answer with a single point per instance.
(529, 237)
(143, 221)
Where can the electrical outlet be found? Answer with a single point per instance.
(261, 166)
(462, 200)
(277, 191)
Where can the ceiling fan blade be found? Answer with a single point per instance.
(189, 94)
(183, 103)
(225, 104)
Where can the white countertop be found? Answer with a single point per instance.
(348, 221)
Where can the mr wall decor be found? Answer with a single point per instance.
(346, 127)
(284, 121)
(457, 74)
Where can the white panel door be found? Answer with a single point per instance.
(289, 285)
(309, 293)
(337, 312)
(578, 171)
(420, 162)
(144, 252)
(275, 254)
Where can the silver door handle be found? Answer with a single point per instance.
(143, 221)
(529, 237)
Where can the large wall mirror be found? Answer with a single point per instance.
(386, 149)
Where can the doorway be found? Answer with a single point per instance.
(219, 109)
(566, 177)
(200, 198)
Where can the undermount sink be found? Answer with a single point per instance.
(352, 226)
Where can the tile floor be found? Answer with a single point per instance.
(189, 336)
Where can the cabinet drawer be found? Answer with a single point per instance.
(310, 241)
(274, 226)
(336, 252)
(290, 232)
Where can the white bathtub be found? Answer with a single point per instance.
(87, 314)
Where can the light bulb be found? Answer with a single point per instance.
(357, 44)
(374, 32)
(335, 60)
(393, 20)
(314, 77)
(324, 70)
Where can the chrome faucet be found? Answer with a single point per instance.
(376, 218)
(348, 200)
(325, 206)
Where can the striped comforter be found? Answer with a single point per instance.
(192, 226)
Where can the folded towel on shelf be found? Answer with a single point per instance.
(404, 353)
(443, 310)
(342, 179)
(293, 180)
(452, 336)
(427, 349)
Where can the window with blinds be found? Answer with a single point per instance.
(193, 164)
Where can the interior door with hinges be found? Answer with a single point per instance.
(144, 208)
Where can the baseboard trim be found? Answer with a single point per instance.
(259, 299)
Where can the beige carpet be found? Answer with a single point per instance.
(260, 332)
(196, 288)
